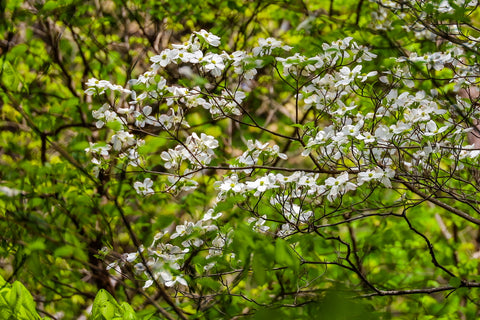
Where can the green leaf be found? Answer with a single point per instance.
(25, 301)
(282, 252)
(104, 306)
(127, 312)
(209, 283)
(455, 282)
(228, 203)
(64, 251)
(16, 300)
(10, 76)
(37, 245)
(11, 297)
(259, 273)
(18, 50)
(115, 125)
(50, 5)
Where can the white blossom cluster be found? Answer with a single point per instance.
(165, 259)
(257, 153)
(197, 150)
(356, 144)
(412, 12)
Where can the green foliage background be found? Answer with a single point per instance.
(56, 218)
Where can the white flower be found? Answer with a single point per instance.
(210, 38)
(209, 266)
(275, 152)
(165, 57)
(388, 174)
(231, 183)
(364, 77)
(383, 133)
(144, 187)
(338, 185)
(347, 76)
(265, 46)
(432, 129)
(209, 215)
(136, 99)
(172, 157)
(291, 211)
(444, 7)
(342, 108)
(199, 150)
(130, 257)
(208, 141)
(99, 86)
(259, 223)
(144, 117)
(263, 184)
(286, 230)
(368, 175)
(148, 284)
(192, 57)
(183, 229)
(114, 266)
(99, 149)
(214, 64)
(351, 130)
(122, 139)
(366, 136)
(217, 245)
(170, 280)
(104, 115)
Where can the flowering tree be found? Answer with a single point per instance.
(291, 178)
(350, 142)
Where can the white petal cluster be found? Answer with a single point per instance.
(145, 187)
(197, 150)
(364, 129)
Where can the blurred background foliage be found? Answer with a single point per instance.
(56, 218)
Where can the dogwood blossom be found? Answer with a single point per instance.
(144, 187)
(356, 133)
(210, 38)
(339, 186)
